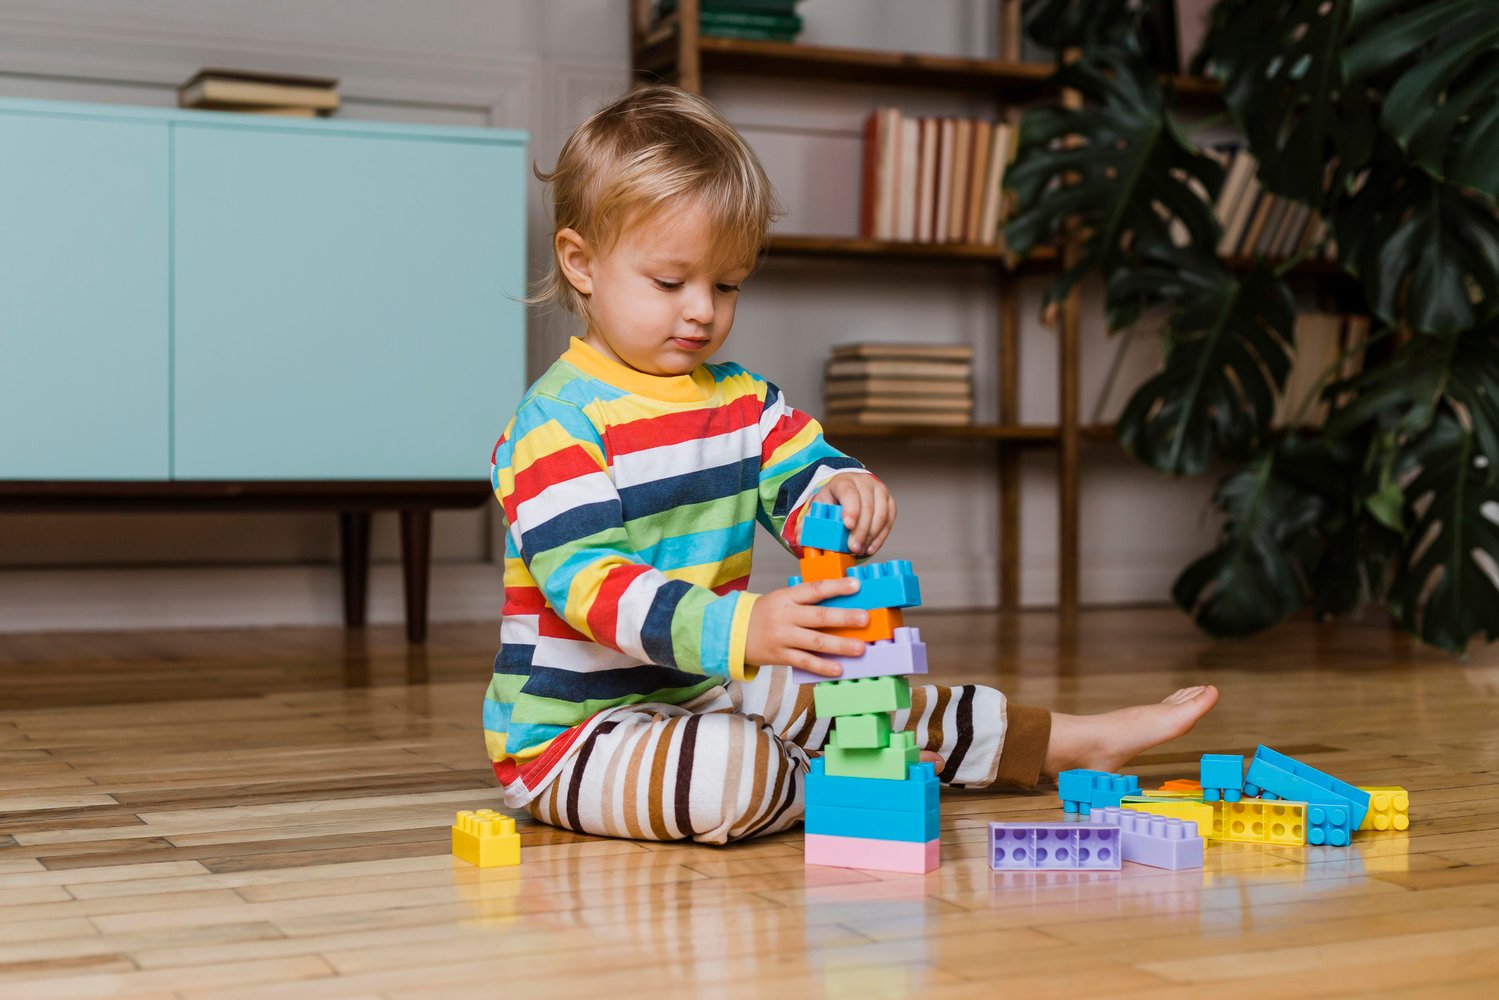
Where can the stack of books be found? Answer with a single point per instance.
(934, 180)
(760, 20)
(259, 93)
(900, 384)
(1257, 223)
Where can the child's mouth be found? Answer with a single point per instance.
(688, 344)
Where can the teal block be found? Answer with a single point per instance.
(822, 528)
(889, 763)
(871, 731)
(891, 584)
(861, 696)
(917, 793)
(872, 824)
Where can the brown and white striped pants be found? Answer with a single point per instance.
(730, 764)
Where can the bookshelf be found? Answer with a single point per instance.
(675, 51)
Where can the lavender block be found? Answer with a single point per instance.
(904, 654)
(1157, 841)
(1053, 847)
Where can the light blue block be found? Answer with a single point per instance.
(822, 528)
(1331, 825)
(890, 584)
(1082, 790)
(1273, 774)
(872, 824)
(918, 793)
(1222, 775)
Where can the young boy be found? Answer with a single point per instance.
(625, 699)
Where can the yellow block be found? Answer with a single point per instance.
(1260, 821)
(1187, 811)
(1389, 808)
(485, 839)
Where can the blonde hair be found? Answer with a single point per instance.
(654, 149)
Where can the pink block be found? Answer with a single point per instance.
(873, 855)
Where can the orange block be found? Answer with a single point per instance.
(819, 564)
(1181, 785)
(882, 625)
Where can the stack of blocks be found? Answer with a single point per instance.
(869, 803)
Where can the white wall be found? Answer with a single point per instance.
(542, 66)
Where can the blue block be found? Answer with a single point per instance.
(890, 584)
(1329, 824)
(1054, 847)
(1272, 774)
(918, 793)
(1082, 790)
(822, 528)
(872, 824)
(1222, 775)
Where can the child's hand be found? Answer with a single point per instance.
(783, 624)
(868, 510)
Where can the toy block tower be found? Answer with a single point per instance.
(869, 803)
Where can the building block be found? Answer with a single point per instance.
(1054, 847)
(889, 763)
(1222, 777)
(1329, 824)
(870, 732)
(1257, 821)
(890, 584)
(1272, 774)
(1157, 841)
(882, 625)
(1082, 790)
(819, 565)
(835, 698)
(1389, 808)
(871, 824)
(1183, 795)
(903, 654)
(822, 528)
(917, 793)
(1198, 813)
(485, 838)
(873, 855)
(1181, 785)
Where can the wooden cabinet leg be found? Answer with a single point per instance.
(354, 554)
(416, 561)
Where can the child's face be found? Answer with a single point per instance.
(655, 304)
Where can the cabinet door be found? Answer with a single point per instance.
(83, 299)
(346, 303)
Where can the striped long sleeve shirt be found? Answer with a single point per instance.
(630, 503)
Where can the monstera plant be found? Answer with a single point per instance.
(1383, 117)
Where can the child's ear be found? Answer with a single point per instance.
(575, 258)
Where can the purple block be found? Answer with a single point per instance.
(1054, 847)
(1157, 841)
(902, 655)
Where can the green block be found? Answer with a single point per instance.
(869, 732)
(861, 762)
(861, 697)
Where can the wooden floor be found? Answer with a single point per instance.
(266, 813)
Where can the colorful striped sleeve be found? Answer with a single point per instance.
(795, 462)
(566, 520)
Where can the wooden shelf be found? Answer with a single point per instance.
(856, 248)
(1022, 434)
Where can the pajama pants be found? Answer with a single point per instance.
(730, 764)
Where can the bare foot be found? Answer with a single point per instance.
(1107, 742)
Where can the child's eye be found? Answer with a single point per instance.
(728, 289)
(669, 286)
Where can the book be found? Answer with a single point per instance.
(913, 404)
(869, 182)
(1244, 206)
(231, 89)
(907, 180)
(926, 183)
(1246, 244)
(1259, 244)
(898, 387)
(946, 143)
(896, 368)
(1235, 180)
(978, 175)
(885, 416)
(956, 352)
(994, 184)
(962, 161)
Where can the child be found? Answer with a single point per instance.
(625, 699)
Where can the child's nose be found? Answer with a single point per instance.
(698, 306)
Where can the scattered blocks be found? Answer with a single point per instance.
(889, 763)
(870, 731)
(918, 793)
(1054, 847)
(1222, 777)
(1274, 775)
(890, 584)
(1198, 813)
(882, 625)
(903, 654)
(820, 565)
(1389, 808)
(1157, 841)
(1256, 821)
(832, 697)
(1082, 790)
(872, 855)
(822, 528)
(485, 838)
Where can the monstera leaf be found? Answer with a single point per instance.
(1067, 24)
(1427, 252)
(1114, 175)
(1278, 60)
(1228, 353)
(1441, 592)
(1437, 63)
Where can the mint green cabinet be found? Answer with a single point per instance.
(84, 310)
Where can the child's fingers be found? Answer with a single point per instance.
(808, 638)
(859, 534)
(817, 591)
(814, 664)
(880, 519)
